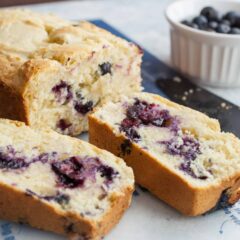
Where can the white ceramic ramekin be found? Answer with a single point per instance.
(212, 59)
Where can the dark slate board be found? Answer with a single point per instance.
(160, 79)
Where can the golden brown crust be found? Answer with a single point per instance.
(11, 104)
(25, 208)
(162, 182)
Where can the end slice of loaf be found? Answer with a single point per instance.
(60, 184)
(179, 154)
(54, 72)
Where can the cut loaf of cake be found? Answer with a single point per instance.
(54, 72)
(178, 154)
(60, 184)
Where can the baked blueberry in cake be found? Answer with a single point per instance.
(54, 72)
(60, 184)
(178, 154)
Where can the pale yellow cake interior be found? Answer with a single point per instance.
(39, 51)
(219, 158)
(91, 201)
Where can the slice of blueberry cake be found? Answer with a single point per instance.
(60, 184)
(178, 154)
(54, 72)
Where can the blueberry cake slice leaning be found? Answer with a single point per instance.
(177, 153)
(54, 72)
(60, 184)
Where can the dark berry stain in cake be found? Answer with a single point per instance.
(74, 171)
(9, 163)
(83, 108)
(63, 124)
(60, 198)
(69, 172)
(62, 92)
(143, 113)
(9, 159)
(105, 68)
(107, 172)
(126, 147)
(186, 147)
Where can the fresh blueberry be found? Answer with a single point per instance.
(223, 28)
(226, 22)
(201, 21)
(194, 25)
(232, 17)
(105, 68)
(186, 22)
(190, 24)
(210, 13)
(237, 23)
(213, 25)
(234, 30)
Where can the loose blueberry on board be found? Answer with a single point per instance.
(210, 13)
(223, 28)
(105, 68)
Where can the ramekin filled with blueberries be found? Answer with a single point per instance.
(205, 40)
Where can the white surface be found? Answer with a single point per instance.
(148, 218)
(212, 58)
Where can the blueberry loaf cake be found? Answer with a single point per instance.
(54, 72)
(60, 184)
(178, 154)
